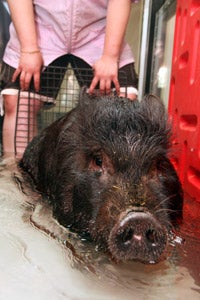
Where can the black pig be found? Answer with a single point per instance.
(105, 169)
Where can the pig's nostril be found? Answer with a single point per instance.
(151, 236)
(126, 236)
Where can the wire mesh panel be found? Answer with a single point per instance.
(59, 94)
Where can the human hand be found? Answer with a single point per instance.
(29, 67)
(105, 72)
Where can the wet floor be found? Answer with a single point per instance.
(39, 259)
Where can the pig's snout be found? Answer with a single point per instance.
(138, 235)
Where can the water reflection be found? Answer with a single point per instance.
(39, 259)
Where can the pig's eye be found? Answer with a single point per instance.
(98, 161)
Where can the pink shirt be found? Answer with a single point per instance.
(68, 26)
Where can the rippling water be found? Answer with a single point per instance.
(39, 259)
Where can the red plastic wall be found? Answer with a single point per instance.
(184, 99)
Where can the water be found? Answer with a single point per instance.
(41, 260)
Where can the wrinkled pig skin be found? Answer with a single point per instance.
(105, 169)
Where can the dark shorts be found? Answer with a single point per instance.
(52, 76)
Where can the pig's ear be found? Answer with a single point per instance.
(84, 97)
(153, 107)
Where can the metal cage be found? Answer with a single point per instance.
(59, 94)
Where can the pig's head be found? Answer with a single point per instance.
(126, 193)
(105, 168)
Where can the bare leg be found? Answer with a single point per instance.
(129, 92)
(26, 123)
(129, 96)
(10, 104)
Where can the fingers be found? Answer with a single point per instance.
(104, 85)
(16, 74)
(93, 85)
(29, 68)
(37, 81)
(25, 79)
(117, 85)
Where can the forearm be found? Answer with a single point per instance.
(22, 14)
(117, 19)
